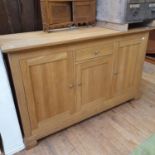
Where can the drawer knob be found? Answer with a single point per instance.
(96, 52)
(79, 84)
(143, 38)
(71, 86)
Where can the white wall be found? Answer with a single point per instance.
(9, 126)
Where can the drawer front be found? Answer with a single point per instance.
(84, 11)
(97, 50)
(60, 12)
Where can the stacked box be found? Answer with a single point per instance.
(135, 11)
(125, 11)
(111, 10)
(150, 9)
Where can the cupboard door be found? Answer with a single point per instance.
(49, 89)
(94, 80)
(128, 64)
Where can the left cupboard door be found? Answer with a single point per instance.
(48, 84)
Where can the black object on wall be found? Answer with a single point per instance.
(20, 16)
(1, 145)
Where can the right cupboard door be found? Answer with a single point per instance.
(129, 58)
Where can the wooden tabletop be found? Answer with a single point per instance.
(22, 41)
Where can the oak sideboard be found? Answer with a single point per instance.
(62, 78)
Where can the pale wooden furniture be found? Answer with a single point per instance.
(65, 77)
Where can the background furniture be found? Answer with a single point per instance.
(121, 11)
(125, 11)
(60, 81)
(121, 15)
(65, 13)
(20, 16)
(150, 57)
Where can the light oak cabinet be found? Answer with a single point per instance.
(62, 85)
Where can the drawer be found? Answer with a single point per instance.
(97, 50)
(84, 11)
(60, 12)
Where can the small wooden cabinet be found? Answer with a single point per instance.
(84, 11)
(57, 86)
(65, 13)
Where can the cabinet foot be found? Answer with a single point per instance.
(30, 143)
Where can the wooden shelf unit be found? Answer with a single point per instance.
(65, 13)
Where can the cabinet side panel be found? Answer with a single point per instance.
(20, 93)
(140, 61)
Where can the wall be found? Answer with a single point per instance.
(20, 16)
(9, 126)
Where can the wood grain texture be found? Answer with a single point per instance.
(84, 12)
(23, 41)
(130, 50)
(93, 82)
(51, 76)
(56, 14)
(59, 86)
(117, 131)
(65, 13)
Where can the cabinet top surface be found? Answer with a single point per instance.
(22, 41)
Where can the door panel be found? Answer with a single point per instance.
(126, 68)
(94, 80)
(47, 81)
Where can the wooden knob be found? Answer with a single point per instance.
(71, 86)
(115, 73)
(96, 52)
(79, 84)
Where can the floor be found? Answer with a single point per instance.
(115, 132)
(149, 72)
